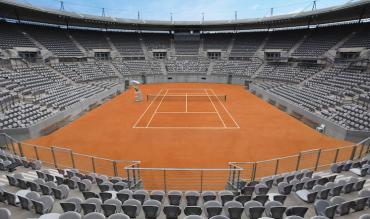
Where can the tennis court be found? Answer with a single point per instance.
(197, 108)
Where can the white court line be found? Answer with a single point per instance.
(227, 111)
(185, 89)
(186, 104)
(219, 116)
(147, 109)
(186, 112)
(147, 125)
(183, 94)
(185, 127)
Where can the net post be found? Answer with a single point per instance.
(317, 159)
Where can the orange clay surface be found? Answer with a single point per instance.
(244, 128)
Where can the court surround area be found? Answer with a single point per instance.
(188, 125)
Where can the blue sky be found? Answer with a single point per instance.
(185, 9)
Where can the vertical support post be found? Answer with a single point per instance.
(201, 181)
(73, 159)
(36, 152)
(361, 150)
(134, 175)
(93, 164)
(138, 172)
(233, 176)
(54, 158)
(336, 156)
(238, 179)
(20, 148)
(298, 161)
(12, 143)
(128, 177)
(164, 180)
(254, 169)
(115, 168)
(318, 159)
(277, 166)
(353, 152)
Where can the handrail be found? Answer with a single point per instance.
(180, 169)
(306, 151)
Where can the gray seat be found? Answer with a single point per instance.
(119, 186)
(219, 217)
(118, 216)
(152, 208)
(70, 215)
(192, 198)
(71, 204)
(322, 191)
(225, 196)
(174, 197)
(212, 208)
(324, 208)
(43, 205)
(233, 209)
(261, 189)
(253, 209)
(294, 217)
(296, 211)
(111, 206)
(157, 195)
(274, 209)
(94, 215)
(284, 188)
(307, 195)
(193, 210)
(193, 217)
(172, 211)
(131, 208)
(141, 195)
(336, 168)
(208, 196)
(124, 194)
(84, 185)
(344, 207)
(61, 192)
(91, 205)
(365, 216)
(5, 213)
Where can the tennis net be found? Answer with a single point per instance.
(186, 97)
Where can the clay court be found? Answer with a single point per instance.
(188, 125)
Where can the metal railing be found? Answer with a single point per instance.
(186, 178)
(167, 179)
(63, 158)
(317, 159)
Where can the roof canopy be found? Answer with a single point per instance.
(351, 11)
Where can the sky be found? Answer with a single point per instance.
(189, 10)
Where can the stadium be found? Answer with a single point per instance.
(115, 118)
